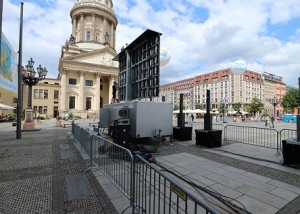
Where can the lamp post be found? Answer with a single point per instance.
(30, 79)
(274, 102)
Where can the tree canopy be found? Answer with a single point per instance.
(290, 99)
(237, 107)
(255, 106)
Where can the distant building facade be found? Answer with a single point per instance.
(227, 86)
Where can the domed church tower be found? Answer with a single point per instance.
(94, 21)
(86, 69)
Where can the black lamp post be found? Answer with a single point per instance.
(274, 102)
(30, 79)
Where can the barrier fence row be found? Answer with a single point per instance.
(259, 136)
(148, 187)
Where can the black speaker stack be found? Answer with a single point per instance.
(121, 132)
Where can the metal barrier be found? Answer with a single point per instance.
(114, 161)
(145, 185)
(252, 135)
(287, 133)
(157, 192)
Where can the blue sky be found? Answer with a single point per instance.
(201, 35)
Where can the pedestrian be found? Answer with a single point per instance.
(114, 92)
(272, 121)
(94, 117)
(192, 116)
(267, 120)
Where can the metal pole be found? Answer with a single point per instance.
(20, 103)
(30, 96)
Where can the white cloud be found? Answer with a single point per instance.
(202, 35)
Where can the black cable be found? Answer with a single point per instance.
(224, 199)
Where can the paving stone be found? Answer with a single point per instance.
(254, 206)
(285, 194)
(250, 181)
(262, 196)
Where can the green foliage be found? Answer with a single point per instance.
(71, 115)
(237, 107)
(176, 107)
(198, 106)
(290, 100)
(12, 116)
(255, 106)
(77, 117)
(222, 108)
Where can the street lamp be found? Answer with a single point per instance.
(274, 102)
(29, 78)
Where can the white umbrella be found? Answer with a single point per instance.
(187, 111)
(176, 112)
(6, 107)
(244, 112)
(232, 112)
(199, 111)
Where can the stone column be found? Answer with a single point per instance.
(98, 93)
(74, 26)
(112, 36)
(93, 33)
(82, 28)
(104, 28)
(63, 90)
(81, 90)
(114, 41)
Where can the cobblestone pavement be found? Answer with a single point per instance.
(32, 175)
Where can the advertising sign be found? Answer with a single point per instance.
(9, 67)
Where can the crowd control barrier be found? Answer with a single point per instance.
(148, 188)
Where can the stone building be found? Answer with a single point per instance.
(86, 69)
(45, 97)
(232, 85)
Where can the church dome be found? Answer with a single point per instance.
(106, 3)
(94, 21)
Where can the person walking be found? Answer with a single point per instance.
(267, 120)
(114, 93)
(272, 121)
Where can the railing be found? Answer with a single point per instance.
(252, 135)
(158, 192)
(148, 189)
(287, 133)
(114, 161)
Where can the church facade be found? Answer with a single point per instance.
(86, 69)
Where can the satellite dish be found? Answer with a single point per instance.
(165, 57)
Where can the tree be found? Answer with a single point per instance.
(237, 107)
(222, 108)
(256, 105)
(290, 100)
(198, 106)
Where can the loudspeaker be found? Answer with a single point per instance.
(121, 135)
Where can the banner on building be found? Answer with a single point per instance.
(9, 67)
